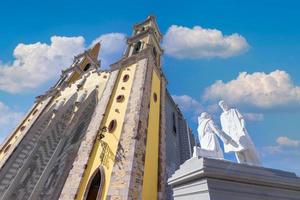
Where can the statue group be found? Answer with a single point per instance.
(233, 134)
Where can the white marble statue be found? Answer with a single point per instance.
(207, 133)
(233, 124)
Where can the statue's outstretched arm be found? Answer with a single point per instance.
(224, 137)
(221, 134)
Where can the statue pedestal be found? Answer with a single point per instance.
(210, 179)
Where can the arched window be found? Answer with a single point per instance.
(7, 148)
(174, 122)
(120, 98)
(34, 111)
(125, 78)
(155, 97)
(137, 47)
(22, 128)
(154, 52)
(87, 67)
(112, 126)
(95, 185)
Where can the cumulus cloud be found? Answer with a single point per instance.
(8, 120)
(285, 141)
(258, 89)
(188, 104)
(35, 64)
(112, 47)
(284, 145)
(256, 117)
(197, 42)
(282, 154)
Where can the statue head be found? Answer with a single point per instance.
(204, 115)
(224, 105)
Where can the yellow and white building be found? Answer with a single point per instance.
(100, 134)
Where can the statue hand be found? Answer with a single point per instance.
(233, 143)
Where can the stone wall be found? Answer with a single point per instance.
(73, 181)
(162, 170)
(17, 135)
(178, 143)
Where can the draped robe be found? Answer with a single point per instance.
(208, 139)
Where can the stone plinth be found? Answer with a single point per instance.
(210, 179)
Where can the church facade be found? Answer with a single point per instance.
(100, 134)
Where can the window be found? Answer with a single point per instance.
(155, 97)
(87, 67)
(95, 185)
(174, 122)
(137, 47)
(112, 126)
(125, 78)
(34, 111)
(154, 52)
(7, 148)
(120, 98)
(22, 128)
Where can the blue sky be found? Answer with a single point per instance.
(218, 40)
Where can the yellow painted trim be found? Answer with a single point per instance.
(150, 180)
(115, 110)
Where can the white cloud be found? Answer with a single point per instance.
(284, 145)
(197, 42)
(270, 150)
(188, 104)
(258, 89)
(112, 47)
(282, 157)
(37, 63)
(254, 116)
(285, 141)
(8, 120)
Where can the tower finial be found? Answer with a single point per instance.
(94, 51)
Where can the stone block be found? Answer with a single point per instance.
(211, 179)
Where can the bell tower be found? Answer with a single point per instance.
(145, 35)
(130, 147)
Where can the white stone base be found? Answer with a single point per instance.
(210, 179)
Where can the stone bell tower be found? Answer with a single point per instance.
(129, 152)
(99, 134)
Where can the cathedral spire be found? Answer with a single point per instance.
(94, 51)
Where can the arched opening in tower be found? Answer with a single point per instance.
(95, 185)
